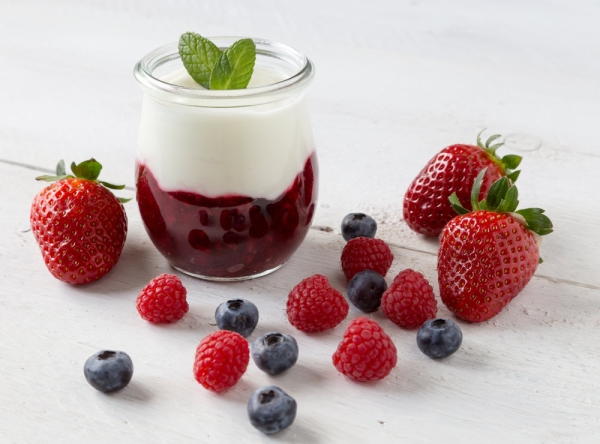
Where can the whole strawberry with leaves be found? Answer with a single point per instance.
(79, 225)
(489, 254)
(426, 208)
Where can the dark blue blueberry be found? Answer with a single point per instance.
(274, 353)
(108, 370)
(271, 410)
(438, 338)
(365, 290)
(357, 225)
(238, 315)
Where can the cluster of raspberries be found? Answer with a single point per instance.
(365, 353)
(313, 305)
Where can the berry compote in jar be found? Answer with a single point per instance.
(226, 179)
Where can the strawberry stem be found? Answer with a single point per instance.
(88, 170)
(508, 163)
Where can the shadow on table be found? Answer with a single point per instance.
(136, 267)
(134, 392)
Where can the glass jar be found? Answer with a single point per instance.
(226, 180)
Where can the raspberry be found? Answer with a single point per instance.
(163, 300)
(366, 352)
(221, 359)
(363, 253)
(314, 305)
(409, 301)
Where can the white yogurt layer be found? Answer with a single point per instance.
(253, 151)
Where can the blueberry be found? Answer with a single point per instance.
(108, 370)
(365, 290)
(438, 338)
(271, 410)
(357, 225)
(238, 315)
(274, 353)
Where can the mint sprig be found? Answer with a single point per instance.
(235, 66)
(199, 56)
(216, 69)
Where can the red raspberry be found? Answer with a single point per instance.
(366, 352)
(221, 359)
(314, 305)
(163, 300)
(364, 253)
(409, 301)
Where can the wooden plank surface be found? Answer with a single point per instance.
(395, 83)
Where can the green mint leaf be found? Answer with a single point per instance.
(199, 56)
(234, 68)
(88, 169)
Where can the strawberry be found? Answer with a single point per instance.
(453, 170)
(79, 225)
(487, 256)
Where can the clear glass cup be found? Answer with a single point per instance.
(226, 180)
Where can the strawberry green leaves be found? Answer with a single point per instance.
(509, 163)
(502, 197)
(60, 168)
(60, 173)
(216, 69)
(88, 170)
(537, 221)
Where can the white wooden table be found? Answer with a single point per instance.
(396, 82)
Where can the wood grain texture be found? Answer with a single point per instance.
(396, 82)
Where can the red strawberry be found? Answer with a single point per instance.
(79, 225)
(453, 170)
(487, 257)
(365, 253)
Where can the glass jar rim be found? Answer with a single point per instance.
(143, 73)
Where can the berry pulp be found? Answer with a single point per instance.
(229, 236)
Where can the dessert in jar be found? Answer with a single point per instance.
(226, 179)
